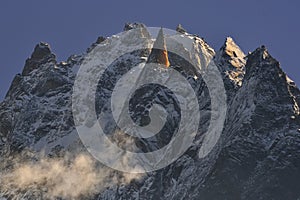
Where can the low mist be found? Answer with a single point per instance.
(67, 177)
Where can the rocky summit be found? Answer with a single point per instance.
(256, 157)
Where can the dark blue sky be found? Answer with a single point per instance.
(71, 26)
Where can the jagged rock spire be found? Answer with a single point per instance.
(159, 53)
(129, 26)
(42, 53)
(180, 29)
(232, 61)
(41, 50)
(232, 51)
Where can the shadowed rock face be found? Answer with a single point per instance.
(257, 157)
(260, 157)
(41, 54)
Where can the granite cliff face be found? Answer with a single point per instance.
(257, 156)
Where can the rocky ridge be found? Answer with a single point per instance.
(257, 156)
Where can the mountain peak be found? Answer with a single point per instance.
(180, 29)
(257, 153)
(262, 53)
(261, 64)
(41, 54)
(261, 58)
(231, 50)
(41, 50)
(159, 52)
(231, 60)
(134, 25)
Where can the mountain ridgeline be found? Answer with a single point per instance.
(256, 157)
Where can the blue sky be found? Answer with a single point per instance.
(71, 26)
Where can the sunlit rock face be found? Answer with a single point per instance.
(257, 156)
(159, 53)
